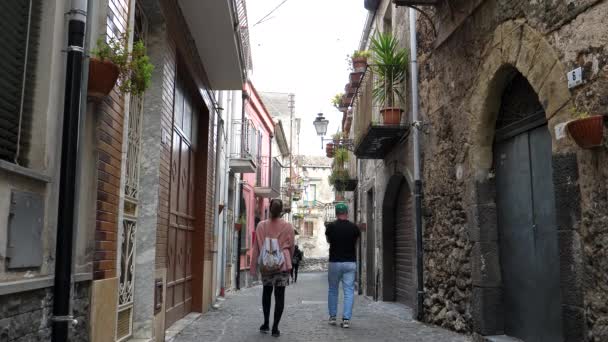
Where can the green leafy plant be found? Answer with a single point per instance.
(341, 156)
(362, 54)
(337, 136)
(135, 68)
(579, 114)
(337, 99)
(338, 175)
(390, 65)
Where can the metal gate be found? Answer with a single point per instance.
(404, 245)
(526, 218)
(181, 206)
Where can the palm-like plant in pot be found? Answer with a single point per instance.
(390, 65)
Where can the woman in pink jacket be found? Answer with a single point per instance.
(274, 228)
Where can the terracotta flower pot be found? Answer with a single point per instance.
(339, 198)
(360, 64)
(329, 150)
(391, 115)
(355, 78)
(238, 226)
(587, 132)
(102, 78)
(349, 90)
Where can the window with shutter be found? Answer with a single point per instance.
(19, 34)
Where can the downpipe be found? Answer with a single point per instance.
(61, 318)
(417, 176)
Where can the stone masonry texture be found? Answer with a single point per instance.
(305, 319)
(542, 39)
(26, 316)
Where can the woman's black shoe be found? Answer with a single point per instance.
(264, 329)
(276, 332)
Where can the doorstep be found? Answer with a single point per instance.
(495, 338)
(180, 325)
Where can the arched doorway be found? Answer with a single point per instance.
(525, 202)
(398, 241)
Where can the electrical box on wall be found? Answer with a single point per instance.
(25, 222)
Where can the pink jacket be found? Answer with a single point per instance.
(274, 229)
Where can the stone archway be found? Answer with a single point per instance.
(515, 45)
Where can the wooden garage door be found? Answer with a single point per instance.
(181, 204)
(404, 248)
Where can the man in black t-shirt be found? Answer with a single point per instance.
(342, 236)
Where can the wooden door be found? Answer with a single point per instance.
(181, 207)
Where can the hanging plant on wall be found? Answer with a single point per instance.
(112, 62)
(390, 65)
(586, 130)
(359, 60)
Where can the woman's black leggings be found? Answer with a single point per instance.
(279, 304)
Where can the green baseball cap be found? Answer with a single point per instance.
(341, 208)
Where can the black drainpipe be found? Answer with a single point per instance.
(67, 179)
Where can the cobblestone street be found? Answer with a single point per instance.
(305, 316)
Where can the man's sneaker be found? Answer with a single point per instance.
(345, 323)
(264, 329)
(333, 321)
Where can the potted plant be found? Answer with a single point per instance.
(329, 150)
(112, 61)
(359, 59)
(390, 65)
(240, 223)
(339, 197)
(349, 90)
(337, 100)
(355, 78)
(341, 156)
(586, 130)
(346, 100)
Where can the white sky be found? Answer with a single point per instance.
(302, 48)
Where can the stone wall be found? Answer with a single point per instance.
(542, 39)
(570, 35)
(26, 316)
(313, 265)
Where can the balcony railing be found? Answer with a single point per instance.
(330, 212)
(268, 177)
(244, 148)
(378, 128)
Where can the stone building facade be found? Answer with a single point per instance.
(317, 198)
(145, 190)
(485, 68)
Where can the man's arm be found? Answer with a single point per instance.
(327, 232)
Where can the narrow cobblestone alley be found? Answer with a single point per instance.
(304, 319)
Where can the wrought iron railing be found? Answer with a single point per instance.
(330, 212)
(246, 140)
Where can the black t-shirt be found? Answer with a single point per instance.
(342, 236)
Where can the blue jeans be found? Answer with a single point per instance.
(345, 272)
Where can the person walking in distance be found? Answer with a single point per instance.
(298, 256)
(342, 236)
(272, 253)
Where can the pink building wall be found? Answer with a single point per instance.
(256, 206)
